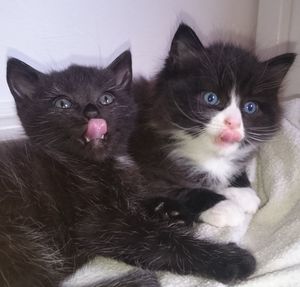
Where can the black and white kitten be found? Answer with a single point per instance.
(202, 119)
(68, 193)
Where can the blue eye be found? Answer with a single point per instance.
(211, 98)
(62, 103)
(250, 108)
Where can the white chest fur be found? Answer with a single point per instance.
(205, 157)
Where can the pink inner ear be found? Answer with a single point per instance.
(96, 129)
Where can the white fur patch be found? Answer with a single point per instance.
(207, 157)
(244, 197)
(224, 213)
(232, 211)
(98, 269)
(125, 161)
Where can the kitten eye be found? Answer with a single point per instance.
(250, 108)
(62, 103)
(106, 99)
(211, 98)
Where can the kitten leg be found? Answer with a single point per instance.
(199, 200)
(240, 199)
(157, 245)
(241, 193)
(185, 207)
(165, 208)
(25, 259)
(232, 211)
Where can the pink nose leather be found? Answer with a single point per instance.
(232, 123)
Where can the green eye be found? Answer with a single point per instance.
(106, 99)
(62, 103)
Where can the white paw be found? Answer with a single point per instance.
(244, 197)
(224, 213)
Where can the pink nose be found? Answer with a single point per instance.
(232, 123)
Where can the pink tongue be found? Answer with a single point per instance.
(229, 136)
(96, 129)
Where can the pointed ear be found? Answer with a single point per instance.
(122, 69)
(22, 79)
(185, 46)
(279, 66)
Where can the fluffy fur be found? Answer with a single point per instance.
(185, 142)
(69, 193)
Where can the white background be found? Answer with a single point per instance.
(52, 34)
(278, 30)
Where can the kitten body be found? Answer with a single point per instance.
(70, 193)
(203, 117)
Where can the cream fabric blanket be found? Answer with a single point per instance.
(274, 231)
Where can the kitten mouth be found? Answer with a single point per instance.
(96, 131)
(228, 137)
(87, 140)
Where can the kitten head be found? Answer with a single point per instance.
(220, 95)
(85, 111)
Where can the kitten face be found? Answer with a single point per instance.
(221, 96)
(81, 110)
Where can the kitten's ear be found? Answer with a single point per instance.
(122, 68)
(22, 79)
(279, 66)
(185, 46)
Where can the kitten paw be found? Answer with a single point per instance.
(224, 213)
(244, 197)
(171, 210)
(237, 265)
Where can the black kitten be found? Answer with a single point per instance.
(202, 119)
(74, 118)
(69, 193)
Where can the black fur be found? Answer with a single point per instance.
(65, 200)
(184, 206)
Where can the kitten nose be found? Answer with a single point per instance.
(91, 111)
(232, 123)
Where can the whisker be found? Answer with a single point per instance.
(185, 114)
(184, 128)
(255, 134)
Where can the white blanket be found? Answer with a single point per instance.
(274, 232)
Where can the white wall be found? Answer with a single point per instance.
(51, 34)
(293, 85)
(278, 31)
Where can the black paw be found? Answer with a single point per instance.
(236, 264)
(170, 210)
